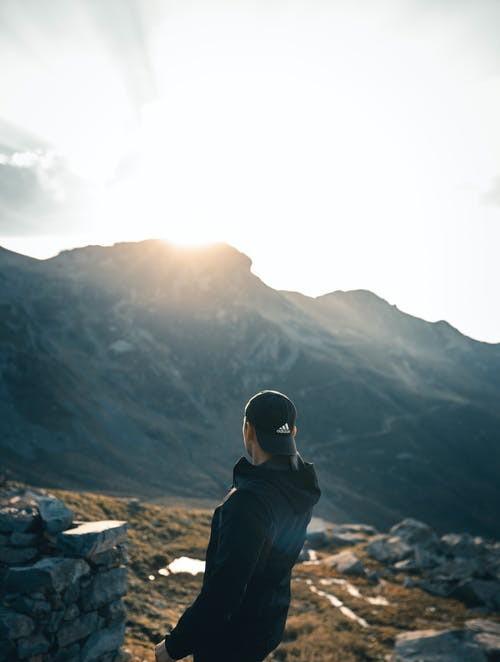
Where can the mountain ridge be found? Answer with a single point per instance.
(116, 362)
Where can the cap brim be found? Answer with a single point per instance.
(272, 442)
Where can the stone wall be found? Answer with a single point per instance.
(61, 582)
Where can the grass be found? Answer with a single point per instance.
(315, 630)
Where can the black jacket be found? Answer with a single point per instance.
(257, 533)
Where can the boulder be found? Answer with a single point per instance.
(413, 532)
(111, 557)
(481, 625)
(464, 545)
(440, 587)
(92, 538)
(105, 587)
(490, 644)
(102, 642)
(346, 562)
(436, 646)
(426, 556)
(134, 506)
(70, 654)
(78, 629)
(17, 519)
(14, 625)
(114, 611)
(346, 538)
(16, 555)
(55, 515)
(54, 620)
(458, 569)
(388, 549)
(306, 555)
(32, 646)
(317, 539)
(365, 529)
(478, 593)
(71, 612)
(56, 573)
(407, 565)
(487, 635)
(23, 539)
(38, 609)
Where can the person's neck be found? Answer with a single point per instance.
(258, 457)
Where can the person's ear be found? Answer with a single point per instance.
(295, 430)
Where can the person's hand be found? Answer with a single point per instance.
(161, 653)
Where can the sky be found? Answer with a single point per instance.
(341, 145)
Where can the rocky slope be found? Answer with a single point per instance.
(126, 368)
(347, 605)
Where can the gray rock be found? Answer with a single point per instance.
(54, 621)
(407, 565)
(465, 545)
(490, 644)
(17, 519)
(426, 557)
(92, 538)
(365, 529)
(15, 555)
(71, 594)
(346, 563)
(124, 655)
(478, 592)
(413, 532)
(36, 608)
(436, 646)
(7, 650)
(111, 558)
(442, 588)
(71, 612)
(78, 629)
(114, 611)
(317, 539)
(103, 641)
(134, 506)
(478, 625)
(70, 654)
(388, 549)
(487, 635)
(18, 539)
(104, 587)
(306, 555)
(457, 569)
(346, 538)
(55, 573)
(55, 515)
(14, 625)
(34, 645)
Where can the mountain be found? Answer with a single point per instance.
(126, 369)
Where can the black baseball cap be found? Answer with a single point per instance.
(273, 416)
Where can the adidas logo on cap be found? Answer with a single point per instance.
(283, 429)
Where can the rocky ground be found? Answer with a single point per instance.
(356, 595)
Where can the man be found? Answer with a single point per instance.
(257, 533)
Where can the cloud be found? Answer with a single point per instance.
(38, 193)
(492, 195)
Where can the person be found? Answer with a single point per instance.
(257, 533)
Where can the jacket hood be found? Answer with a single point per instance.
(299, 487)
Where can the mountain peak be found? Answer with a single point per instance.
(356, 297)
(217, 254)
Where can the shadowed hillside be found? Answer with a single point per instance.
(125, 369)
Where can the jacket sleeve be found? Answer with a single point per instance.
(245, 527)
